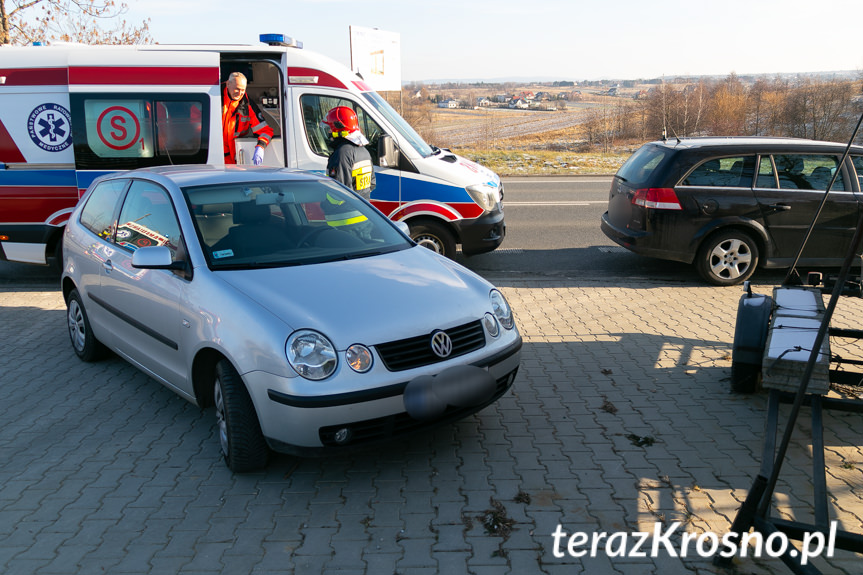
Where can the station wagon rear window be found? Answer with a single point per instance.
(639, 168)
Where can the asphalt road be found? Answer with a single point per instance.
(552, 231)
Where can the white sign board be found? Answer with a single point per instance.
(376, 56)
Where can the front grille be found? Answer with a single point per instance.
(417, 351)
(382, 428)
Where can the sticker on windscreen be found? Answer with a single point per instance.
(223, 254)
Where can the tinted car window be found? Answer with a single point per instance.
(858, 166)
(723, 172)
(806, 171)
(641, 165)
(147, 219)
(97, 214)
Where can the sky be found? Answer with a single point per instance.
(542, 39)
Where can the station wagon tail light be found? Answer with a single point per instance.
(657, 199)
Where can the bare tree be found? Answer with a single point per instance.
(80, 21)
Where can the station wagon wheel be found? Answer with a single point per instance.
(85, 344)
(727, 258)
(240, 438)
(435, 237)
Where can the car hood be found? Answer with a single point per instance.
(369, 300)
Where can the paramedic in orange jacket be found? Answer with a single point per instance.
(240, 120)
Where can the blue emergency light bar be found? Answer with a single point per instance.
(280, 40)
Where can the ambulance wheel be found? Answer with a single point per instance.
(85, 344)
(241, 440)
(434, 236)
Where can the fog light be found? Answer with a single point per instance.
(343, 435)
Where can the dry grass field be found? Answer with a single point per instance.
(525, 142)
(522, 142)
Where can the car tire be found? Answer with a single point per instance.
(750, 340)
(241, 440)
(85, 344)
(434, 236)
(727, 258)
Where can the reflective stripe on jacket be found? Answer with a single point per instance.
(352, 166)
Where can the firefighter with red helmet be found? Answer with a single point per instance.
(350, 163)
(240, 120)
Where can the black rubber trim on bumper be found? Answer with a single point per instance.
(365, 395)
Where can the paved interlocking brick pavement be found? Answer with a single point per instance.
(621, 419)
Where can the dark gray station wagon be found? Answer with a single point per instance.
(729, 205)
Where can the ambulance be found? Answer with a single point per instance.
(71, 113)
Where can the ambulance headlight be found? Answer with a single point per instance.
(485, 196)
(311, 354)
(501, 309)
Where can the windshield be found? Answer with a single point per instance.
(283, 223)
(399, 123)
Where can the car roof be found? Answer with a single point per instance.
(203, 175)
(752, 143)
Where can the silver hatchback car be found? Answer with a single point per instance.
(308, 319)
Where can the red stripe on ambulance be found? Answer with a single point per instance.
(9, 152)
(159, 75)
(35, 77)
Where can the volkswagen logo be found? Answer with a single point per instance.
(441, 344)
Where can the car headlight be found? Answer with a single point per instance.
(484, 195)
(311, 354)
(501, 309)
(359, 358)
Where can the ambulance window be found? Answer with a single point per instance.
(119, 128)
(98, 213)
(178, 128)
(140, 130)
(148, 219)
(315, 108)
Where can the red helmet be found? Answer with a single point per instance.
(342, 121)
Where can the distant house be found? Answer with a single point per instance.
(527, 95)
(483, 102)
(448, 104)
(502, 98)
(519, 103)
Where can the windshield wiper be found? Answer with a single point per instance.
(257, 265)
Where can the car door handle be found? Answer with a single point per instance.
(780, 207)
(107, 265)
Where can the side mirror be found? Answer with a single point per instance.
(388, 154)
(155, 258)
(404, 228)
